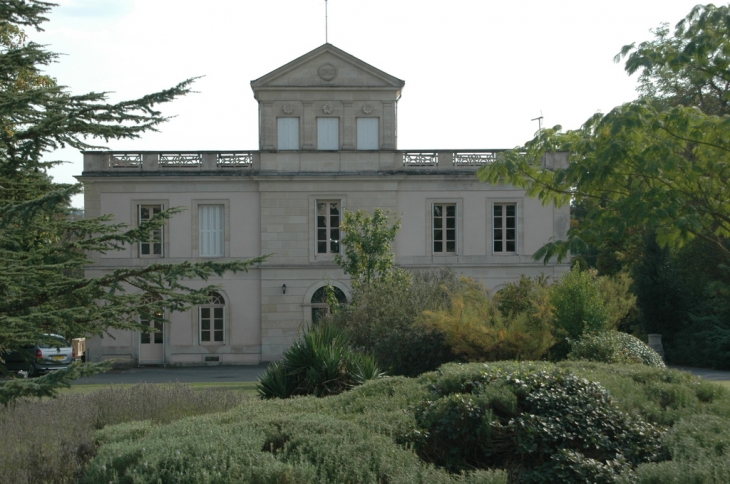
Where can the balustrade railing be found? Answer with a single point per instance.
(234, 159)
(125, 160)
(180, 159)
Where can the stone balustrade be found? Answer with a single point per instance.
(119, 162)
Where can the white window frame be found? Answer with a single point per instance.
(442, 226)
(503, 223)
(156, 236)
(329, 254)
(217, 302)
(364, 142)
(289, 142)
(328, 139)
(216, 230)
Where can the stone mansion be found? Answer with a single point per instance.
(327, 142)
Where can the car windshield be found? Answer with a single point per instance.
(56, 343)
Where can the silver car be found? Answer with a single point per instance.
(53, 353)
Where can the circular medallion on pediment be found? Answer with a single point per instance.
(367, 108)
(327, 108)
(327, 72)
(288, 108)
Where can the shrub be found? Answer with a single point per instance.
(321, 363)
(579, 307)
(301, 440)
(51, 440)
(382, 321)
(540, 423)
(613, 347)
(476, 330)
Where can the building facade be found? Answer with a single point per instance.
(327, 142)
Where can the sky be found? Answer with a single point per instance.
(477, 72)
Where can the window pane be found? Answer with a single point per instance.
(497, 246)
(218, 313)
(205, 324)
(334, 208)
(510, 234)
(510, 210)
(438, 223)
(498, 223)
(450, 210)
(451, 234)
(157, 249)
(498, 210)
(497, 234)
(510, 246)
(510, 222)
(438, 234)
(321, 234)
(145, 338)
(144, 248)
(450, 223)
(205, 313)
(144, 213)
(321, 208)
(335, 234)
(335, 221)
(158, 337)
(218, 324)
(437, 210)
(334, 247)
(211, 230)
(205, 336)
(438, 246)
(321, 247)
(219, 335)
(451, 246)
(321, 221)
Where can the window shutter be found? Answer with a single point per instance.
(517, 228)
(328, 130)
(211, 231)
(367, 134)
(288, 133)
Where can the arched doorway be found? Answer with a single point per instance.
(319, 302)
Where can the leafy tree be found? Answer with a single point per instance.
(367, 240)
(43, 247)
(646, 164)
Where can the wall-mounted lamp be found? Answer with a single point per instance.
(283, 288)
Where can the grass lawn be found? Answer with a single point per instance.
(246, 388)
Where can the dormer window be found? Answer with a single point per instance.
(328, 134)
(288, 133)
(367, 134)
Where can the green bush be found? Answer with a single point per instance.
(540, 423)
(613, 347)
(343, 438)
(579, 307)
(382, 321)
(51, 440)
(320, 363)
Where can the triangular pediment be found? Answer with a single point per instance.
(326, 66)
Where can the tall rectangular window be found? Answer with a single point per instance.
(211, 318)
(328, 227)
(444, 228)
(328, 134)
(288, 133)
(152, 247)
(504, 220)
(212, 232)
(367, 134)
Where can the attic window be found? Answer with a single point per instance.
(328, 130)
(367, 134)
(288, 133)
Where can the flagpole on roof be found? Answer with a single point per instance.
(326, 39)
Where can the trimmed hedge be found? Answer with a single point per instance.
(613, 347)
(527, 422)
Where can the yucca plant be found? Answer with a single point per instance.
(320, 363)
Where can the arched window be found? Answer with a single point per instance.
(212, 320)
(319, 302)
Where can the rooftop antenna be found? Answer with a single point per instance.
(538, 119)
(326, 40)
